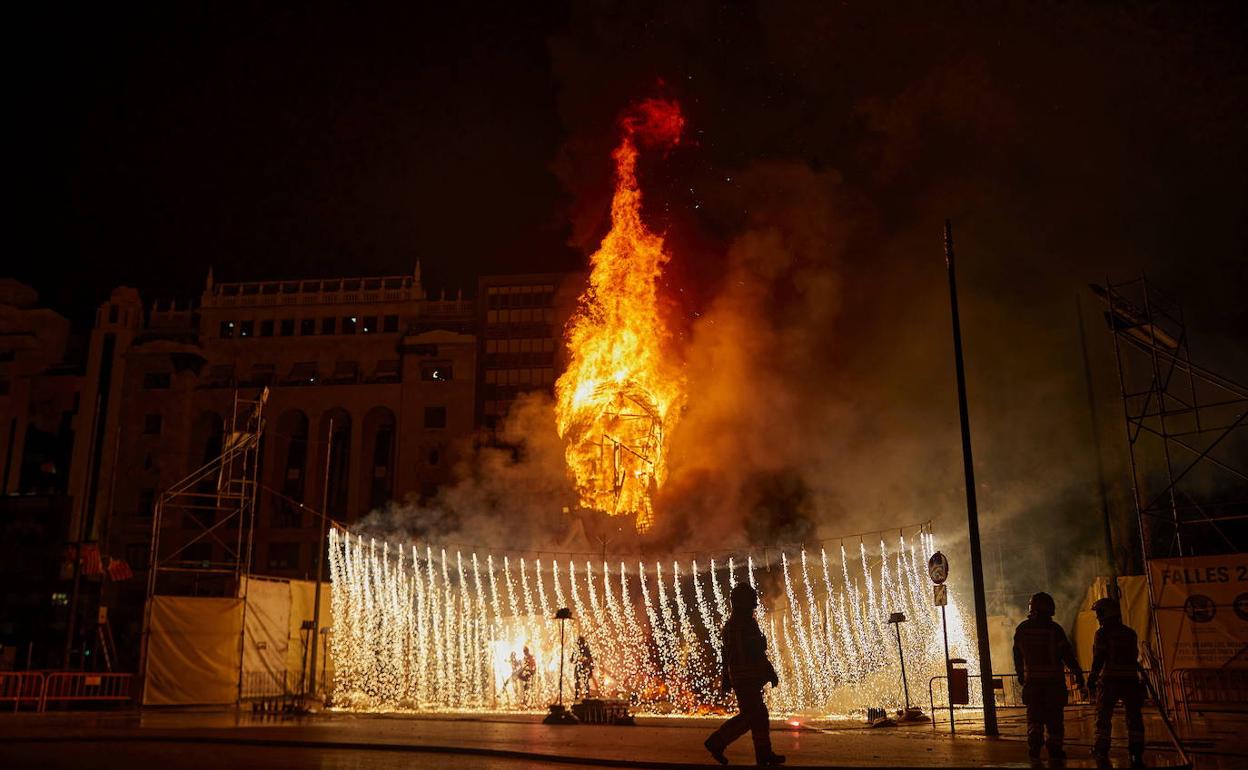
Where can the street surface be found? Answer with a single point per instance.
(189, 740)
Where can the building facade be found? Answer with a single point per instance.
(40, 387)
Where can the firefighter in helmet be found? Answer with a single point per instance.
(1040, 651)
(1114, 677)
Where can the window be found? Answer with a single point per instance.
(307, 327)
(156, 381)
(227, 330)
(434, 372)
(112, 314)
(147, 502)
(435, 417)
(283, 556)
(151, 425)
(390, 323)
(261, 374)
(288, 327)
(328, 325)
(348, 325)
(266, 328)
(370, 324)
(247, 329)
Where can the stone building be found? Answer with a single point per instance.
(400, 384)
(40, 386)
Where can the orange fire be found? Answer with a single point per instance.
(620, 395)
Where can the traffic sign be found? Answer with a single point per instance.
(940, 594)
(938, 568)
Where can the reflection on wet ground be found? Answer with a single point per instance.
(190, 739)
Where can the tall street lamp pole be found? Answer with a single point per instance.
(972, 510)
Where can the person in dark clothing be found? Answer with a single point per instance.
(528, 668)
(1114, 677)
(746, 670)
(1040, 651)
(582, 667)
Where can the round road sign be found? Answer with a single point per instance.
(938, 568)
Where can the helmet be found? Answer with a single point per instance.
(1107, 609)
(743, 597)
(1042, 604)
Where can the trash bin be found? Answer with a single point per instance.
(959, 682)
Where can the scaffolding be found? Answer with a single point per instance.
(1185, 429)
(203, 526)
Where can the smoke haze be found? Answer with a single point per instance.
(808, 285)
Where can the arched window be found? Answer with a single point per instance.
(340, 461)
(292, 457)
(379, 435)
(207, 438)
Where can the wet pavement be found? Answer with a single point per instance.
(194, 739)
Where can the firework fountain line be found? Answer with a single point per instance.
(420, 628)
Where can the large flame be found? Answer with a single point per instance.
(620, 395)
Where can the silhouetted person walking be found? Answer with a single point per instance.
(1114, 677)
(746, 670)
(1040, 650)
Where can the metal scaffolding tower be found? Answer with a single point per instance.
(1184, 424)
(203, 526)
(1186, 432)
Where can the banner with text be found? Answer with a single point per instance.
(1202, 610)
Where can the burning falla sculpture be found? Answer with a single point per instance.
(621, 394)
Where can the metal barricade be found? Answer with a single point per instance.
(1209, 689)
(81, 687)
(21, 687)
(1008, 694)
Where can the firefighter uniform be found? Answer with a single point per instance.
(1114, 677)
(1040, 652)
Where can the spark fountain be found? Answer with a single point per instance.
(421, 628)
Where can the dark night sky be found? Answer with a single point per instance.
(827, 143)
(322, 139)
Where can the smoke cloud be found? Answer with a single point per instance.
(808, 280)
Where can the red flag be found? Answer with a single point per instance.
(118, 570)
(91, 564)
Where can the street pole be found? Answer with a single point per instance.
(901, 654)
(944, 630)
(320, 559)
(1110, 559)
(972, 510)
